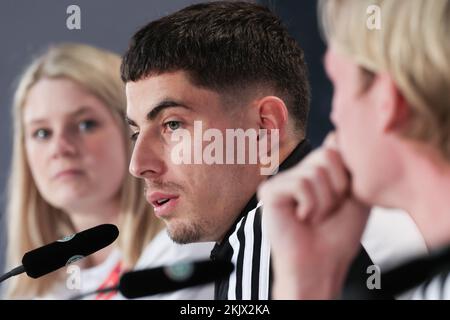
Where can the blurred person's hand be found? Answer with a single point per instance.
(314, 225)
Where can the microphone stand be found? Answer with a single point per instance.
(13, 272)
(104, 290)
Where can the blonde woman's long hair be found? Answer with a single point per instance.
(33, 222)
(411, 43)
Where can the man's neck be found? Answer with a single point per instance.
(286, 150)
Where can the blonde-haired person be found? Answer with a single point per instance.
(69, 172)
(391, 109)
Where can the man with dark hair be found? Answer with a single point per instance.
(218, 67)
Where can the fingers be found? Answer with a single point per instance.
(331, 141)
(283, 193)
(329, 180)
(336, 171)
(280, 199)
(312, 189)
(326, 196)
(306, 199)
(290, 193)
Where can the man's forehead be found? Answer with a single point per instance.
(148, 88)
(158, 87)
(145, 94)
(169, 80)
(167, 88)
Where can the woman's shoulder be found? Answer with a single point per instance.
(162, 250)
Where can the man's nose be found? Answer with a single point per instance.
(146, 160)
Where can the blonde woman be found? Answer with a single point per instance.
(69, 173)
(391, 148)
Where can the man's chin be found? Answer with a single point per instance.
(183, 234)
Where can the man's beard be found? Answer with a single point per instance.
(183, 233)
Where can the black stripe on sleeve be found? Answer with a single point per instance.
(240, 259)
(257, 239)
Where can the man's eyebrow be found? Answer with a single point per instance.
(164, 104)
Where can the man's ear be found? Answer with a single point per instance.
(273, 114)
(392, 108)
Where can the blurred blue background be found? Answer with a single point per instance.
(28, 27)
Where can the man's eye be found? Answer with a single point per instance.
(134, 136)
(41, 134)
(87, 125)
(173, 125)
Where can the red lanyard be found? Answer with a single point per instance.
(111, 281)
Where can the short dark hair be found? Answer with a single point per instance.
(224, 46)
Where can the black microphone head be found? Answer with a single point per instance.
(58, 254)
(141, 283)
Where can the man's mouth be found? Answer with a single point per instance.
(158, 199)
(161, 201)
(163, 204)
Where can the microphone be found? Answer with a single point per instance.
(147, 282)
(60, 253)
(406, 276)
